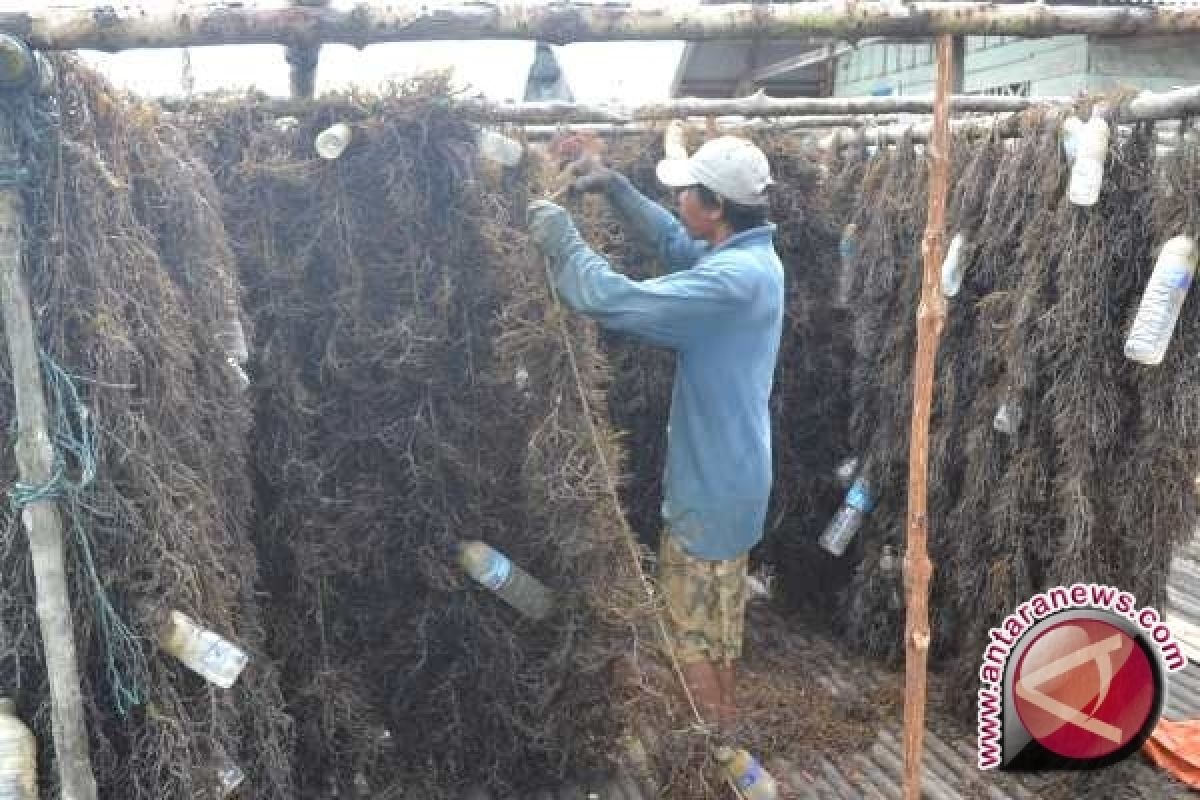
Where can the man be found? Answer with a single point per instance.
(721, 309)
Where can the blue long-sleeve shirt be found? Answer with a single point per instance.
(721, 310)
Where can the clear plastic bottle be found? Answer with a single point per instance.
(752, 780)
(849, 518)
(1008, 416)
(675, 140)
(848, 252)
(232, 339)
(228, 777)
(208, 655)
(239, 375)
(333, 141)
(1087, 173)
(18, 756)
(889, 563)
(1162, 301)
(499, 148)
(953, 267)
(494, 570)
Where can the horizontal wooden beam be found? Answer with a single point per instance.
(726, 125)
(757, 105)
(1143, 107)
(152, 25)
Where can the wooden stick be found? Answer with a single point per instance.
(105, 27)
(35, 458)
(757, 105)
(1144, 107)
(732, 125)
(302, 59)
(931, 316)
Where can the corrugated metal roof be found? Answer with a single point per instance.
(1183, 598)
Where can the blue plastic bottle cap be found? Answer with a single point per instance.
(859, 496)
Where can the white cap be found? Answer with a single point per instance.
(733, 168)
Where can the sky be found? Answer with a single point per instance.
(625, 72)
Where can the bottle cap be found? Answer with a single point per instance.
(724, 753)
(7, 706)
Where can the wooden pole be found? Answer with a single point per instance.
(105, 27)
(1144, 106)
(757, 105)
(1165, 108)
(35, 458)
(931, 316)
(302, 59)
(736, 126)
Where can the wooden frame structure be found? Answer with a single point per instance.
(305, 25)
(123, 28)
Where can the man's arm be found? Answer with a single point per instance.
(673, 310)
(655, 225)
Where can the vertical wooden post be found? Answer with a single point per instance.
(931, 316)
(35, 460)
(302, 60)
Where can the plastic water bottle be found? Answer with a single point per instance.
(953, 267)
(889, 562)
(849, 518)
(333, 141)
(675, 141)
(848, 252)
(494, 570)
(499, 148)
(1162, 301)
(208, 655)
(232, 339)
(18, 756)
(1070, 137)
(1008, 416)
(1087, 173)
(229, 777)
(845, 472)
(240, 378)
(750, 777)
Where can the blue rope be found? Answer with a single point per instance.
(74, 434)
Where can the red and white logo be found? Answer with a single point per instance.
(1073, 679)
(1084, 689)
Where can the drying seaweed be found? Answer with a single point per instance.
(414, 391)
(1094, 482)
(129, 266)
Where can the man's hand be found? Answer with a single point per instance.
(591, 175)
(550, 227)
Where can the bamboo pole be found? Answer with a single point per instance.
(731, 125)
(931, 316)
(41, 519)
(1144, 106)
(158, 25)
(1162, 107)
(756, 105)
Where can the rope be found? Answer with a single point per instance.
(73, 432)
(614, 495)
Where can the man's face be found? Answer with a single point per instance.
(700, 220)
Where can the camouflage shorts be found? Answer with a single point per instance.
(705, 603)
